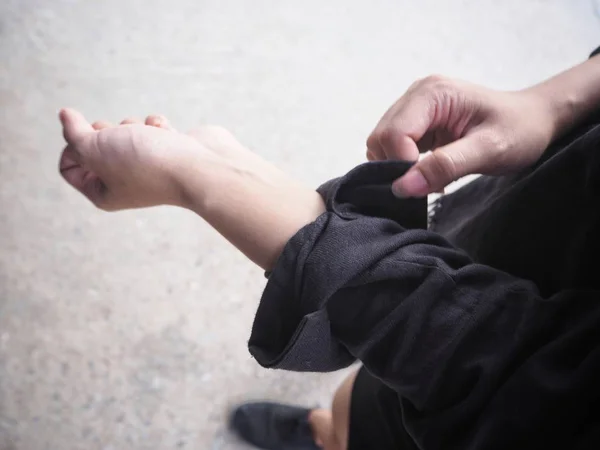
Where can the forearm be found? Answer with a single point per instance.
(571, 95)
(257, 211)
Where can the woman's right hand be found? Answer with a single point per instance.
(471, 129)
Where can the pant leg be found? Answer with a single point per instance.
(376, 417)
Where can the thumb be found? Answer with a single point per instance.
(74, 124)
(440, 168)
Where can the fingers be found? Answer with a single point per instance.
(433, 112)
(76, 121)
(131, 121)
(158, 121)
(69, 160)
(399, 132)
(74, 124)
(101, 124)
(85, 181)
(440, 168)
(436, 114)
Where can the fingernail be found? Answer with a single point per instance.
(413, 184)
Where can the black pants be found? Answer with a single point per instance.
(376, 416)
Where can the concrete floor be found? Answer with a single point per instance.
(128, 331)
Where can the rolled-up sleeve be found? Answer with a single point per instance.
(458, 341)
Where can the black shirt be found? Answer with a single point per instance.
(487, 326)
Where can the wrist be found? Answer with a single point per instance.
(547, 111)
(188, 173)
(257, 210)
(571, 95)
(558, 108)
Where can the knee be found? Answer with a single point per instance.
(340, 410)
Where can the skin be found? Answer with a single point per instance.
(208, 171)
(473, 129)
(331, 426)
(139, 164)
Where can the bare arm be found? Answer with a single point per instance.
(246, 199)
(254, 206)
(571, 95)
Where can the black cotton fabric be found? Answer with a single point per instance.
(486, 327)
(376, 416)
(480, 356)
(286, 332)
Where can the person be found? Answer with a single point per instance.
(479, 329)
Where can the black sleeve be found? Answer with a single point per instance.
(458, 341)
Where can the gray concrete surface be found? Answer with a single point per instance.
(128, 331)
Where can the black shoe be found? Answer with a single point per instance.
(272, 426)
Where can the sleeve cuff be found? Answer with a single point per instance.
(291, 329)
